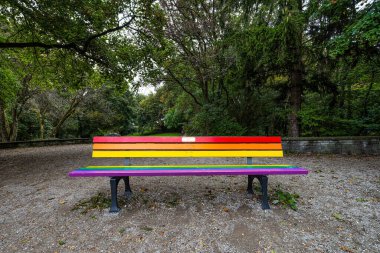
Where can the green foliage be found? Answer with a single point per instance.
(173, 119)
(219, 68)
(28, 126)
(77, 27)
(320, 119)
(362, 200)
(61, 242)
(285, 198)
(150, 114)
(9, 84)
(97, 202)
(338, 216)
(362, 34)
(106, 111)
(166, 134)
(213, 120)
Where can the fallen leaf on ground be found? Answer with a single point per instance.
(146, 228)
(347, 249)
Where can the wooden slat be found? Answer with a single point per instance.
(170, 153)
(187, 146)
(192, 166)
(177, 170)
(147, 173)
(186, 166)
(186, 139)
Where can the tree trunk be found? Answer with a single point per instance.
(296, 74)
(22, 97)
(3, 123)
(296, 78)
(42, 129)
(70, 111)
(349, 102)
(57, 128)
(41, 122)
(14, 126)
(205, 91)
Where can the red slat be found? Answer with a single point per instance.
(187, 139)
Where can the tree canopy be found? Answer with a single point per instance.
(291, 68)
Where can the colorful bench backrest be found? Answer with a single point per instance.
(202, 146)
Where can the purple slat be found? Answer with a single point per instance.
(116, 173)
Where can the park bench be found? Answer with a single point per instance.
(227, 146)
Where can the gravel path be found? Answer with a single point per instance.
(338, 208)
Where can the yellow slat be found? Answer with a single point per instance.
(155, 153)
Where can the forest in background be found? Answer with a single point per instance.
(219, 67)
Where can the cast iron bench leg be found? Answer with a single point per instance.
(128, 191)
(264, 190)
(250, 181)
(114, 206)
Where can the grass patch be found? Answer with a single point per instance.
(173, 200)
(361, 200)
(97, 202)
(285, 198)
(338, 216)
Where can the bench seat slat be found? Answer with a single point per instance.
(197, 170)
(180, 139)
(189, 153)
(187, 146)
(195, 166)
(178, 167)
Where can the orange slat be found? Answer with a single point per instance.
(187, 146)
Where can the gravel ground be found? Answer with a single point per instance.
(338, 208)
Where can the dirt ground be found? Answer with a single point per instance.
(43, 210)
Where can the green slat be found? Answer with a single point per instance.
(196, 166)
(183, 168)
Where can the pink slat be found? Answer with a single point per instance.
(116, 173)
(187, 139)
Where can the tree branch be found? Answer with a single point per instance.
(81, 48)
(183, 87)
(35, 44)
(117, 28)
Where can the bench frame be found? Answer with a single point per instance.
(114, 182)
(202, 146)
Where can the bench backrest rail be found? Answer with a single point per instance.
(203, 146)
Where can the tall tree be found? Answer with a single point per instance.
(187, 37)
(85, 28)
